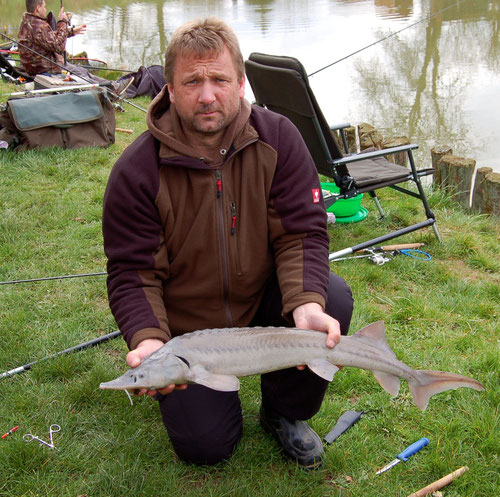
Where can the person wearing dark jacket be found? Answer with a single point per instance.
(214, 218)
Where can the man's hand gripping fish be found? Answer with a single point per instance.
(216, 358)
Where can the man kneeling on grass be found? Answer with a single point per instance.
(212, 219)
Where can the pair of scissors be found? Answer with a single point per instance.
(52, 429)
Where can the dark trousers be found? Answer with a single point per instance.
(205, 425)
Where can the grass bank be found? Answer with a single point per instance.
(439, 314)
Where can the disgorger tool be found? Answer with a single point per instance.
(405, 455)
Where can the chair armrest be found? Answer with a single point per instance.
(335, 127)
(377, 153)
(341, 127)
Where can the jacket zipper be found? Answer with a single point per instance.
(233, 218)
(234, 239)
(222, 239)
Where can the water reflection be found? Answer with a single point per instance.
(435, 81)
(399, 9)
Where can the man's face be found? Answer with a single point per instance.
(41, 10)
(206, 92)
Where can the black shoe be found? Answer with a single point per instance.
(297, 439)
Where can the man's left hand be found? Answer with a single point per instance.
(80, 30)
(312, 317)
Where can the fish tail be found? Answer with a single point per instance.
(428, 383)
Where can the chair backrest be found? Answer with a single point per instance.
(280, 83)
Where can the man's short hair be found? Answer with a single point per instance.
(31, 5)
(203, 37)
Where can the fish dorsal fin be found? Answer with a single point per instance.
(374, 334)
(389, 382)
(323, 368)
(221, 382)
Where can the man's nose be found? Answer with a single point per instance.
(207, 93)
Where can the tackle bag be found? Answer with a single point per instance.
(148, 81)
(66, 120)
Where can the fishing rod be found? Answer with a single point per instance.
(49, 278)
(386, 38)
(52, 90)
(62, 67)
(76, 348)
(71, 59)
(105, 68)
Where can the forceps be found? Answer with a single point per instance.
(52, 429)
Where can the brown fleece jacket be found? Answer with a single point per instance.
(192, 241)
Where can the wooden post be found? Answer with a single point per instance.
(402, 157)
(369, 137)
(436, 153)
(486, 195)
(456, 174)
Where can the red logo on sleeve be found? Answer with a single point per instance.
(316, 195)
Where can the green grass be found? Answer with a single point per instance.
(439, 314)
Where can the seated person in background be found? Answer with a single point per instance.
(41, 48)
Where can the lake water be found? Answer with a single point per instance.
(432, 72)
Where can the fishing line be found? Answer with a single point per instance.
(387, 37)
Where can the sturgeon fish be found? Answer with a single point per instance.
(216, 358)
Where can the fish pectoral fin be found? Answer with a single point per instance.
(389, 382)
(323, 368)
(221, 382)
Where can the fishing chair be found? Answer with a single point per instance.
(281, 84)
(11, 72)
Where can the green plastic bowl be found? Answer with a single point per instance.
(344, 207)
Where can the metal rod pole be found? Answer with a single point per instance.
(76, 348)
(48, 278)
(54, 90)
(380, 239)
(97, 68)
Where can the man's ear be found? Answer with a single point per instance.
(242, 87)
(171, 93)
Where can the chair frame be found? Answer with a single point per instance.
(334, 163)
(13, 71)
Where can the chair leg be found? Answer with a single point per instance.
(423, 196)
(436, 232)
(373, 195)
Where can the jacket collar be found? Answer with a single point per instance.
(164, 124)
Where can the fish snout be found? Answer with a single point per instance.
(130, 380)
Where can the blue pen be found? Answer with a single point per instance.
(406, 454)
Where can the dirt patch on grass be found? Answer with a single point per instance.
(459, 269)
